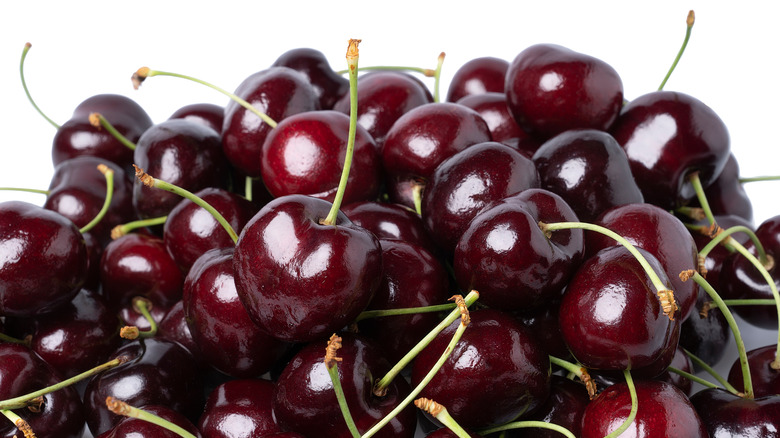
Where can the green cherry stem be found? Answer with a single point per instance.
(21, 189)
(352, 61)
(634, 406)
(417, 189)
(12, 340)
(749, 302)
(702, 198)
(108, 173)
(150, 181)
(121, 408)
(437, 77)
(26, 49)
(692, 377)
(440, 413)
(120, 230)
(706, 367)
(724, 236)
(142, 306)
(528, 424)
(746, 378)
(759, 179)
(248, 188)
(423, 71)
(23, 400)
(382, 383)
(145, 72)
(689, 26)
(19, 422)
(98, 121)
(578, 370)
(367, 314)
(695, 213)
(331, 364)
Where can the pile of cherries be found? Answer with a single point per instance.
(576, 216)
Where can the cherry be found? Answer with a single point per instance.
(478, 76)
(328, 85)
(43, 259)
(173, 327)
(305, 400)
(305, 153)
(543, 324)
(668, 136)
(207, 114)
(300, 279)
(766, 380)
(726, 195)
(465, 183)
(503, 128)
(589, 170)
(447, 433)
(725, 414)
(129, 427)
(390, 221)
(278, 92)
(240, 408)
(551, 89)
(705, 336)
(564, 406)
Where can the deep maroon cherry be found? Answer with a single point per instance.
(328, 85)
(705, 335)
(173, 327)
(496, 372)
(43, 259)
(135, 428)
(78, 137)
(668, 136)
(447, 433)
(551, 89)
(305, 153)
(766, 380)
(725, 414)
(277, 92)
(305, 401)
(240, 408)
(180, 152)
(664, 411)
(299, 279)
(589, 170)
(506, 256)
(727, 196)
(543, 323)
(502, 125)
(564, 406)
(465, 183)
(389, 221)
(478, 76)
(207, 114)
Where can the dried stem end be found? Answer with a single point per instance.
(429, 406)
(668, 303)
(590, 384)
(701, 266)
(25, 428)
(705, 309)
(334, 344)
(130, 332)
(144, 177)
(465, 317)
(139, 76)
(117, 406)
(690, 19)
(117, 232)
(352, 50)
(94, 120)
(36, 404)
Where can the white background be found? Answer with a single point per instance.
(85, 48)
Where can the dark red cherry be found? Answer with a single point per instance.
(465, 183)
(43, 259)
(328, 85)
(383, 97)
(503, 128)
(447, 433)
(305, 154)
(667, 136)
(551, 89)
(706, 335)
(611, 317)
(543, 323)
(497, 364)
(589, 170)
(180, 152)
(207, 114)
(506, 256)
(277, 92)
(727, 196)
(240, 408)
(660, 233)
(220, 326)
(725, 414)
(301, 280)
(173, 327)
(664, 412)
(191, 230)
(158, 372)
(564, 406)
(766, 380)
(305, 401)
(389, 221)
(139, 265)
(21, 372)
(136, 428)
(424, 137)
(478, 76)
(78, 137)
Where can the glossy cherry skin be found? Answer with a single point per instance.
(478, 76)
(495, 345)
(383, 97)
(43, 259)
(424, 137)
(589, 170)
(506, 256)
(740, 279)
(766, 380)
(705, 336)
(412, 277)
(667, 136)
(191, 230)
(158, 372)
(727, 196)
(328, 86)
(301, 280)
(277, 92)
(660, 233)
(543, 323)
(503, 128)
(240, 408)
(564, 406)
(220, 326)
(390, 221)
(305, 401)
(173, 327)
(551, 89)
(665, 412)
(179, 152)
(305, 155)
(610, 315)
(465, 183)
(207, 114)
(78, 137)
(725, 414)
(135, 428)
(21, 372)
(139, 265)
